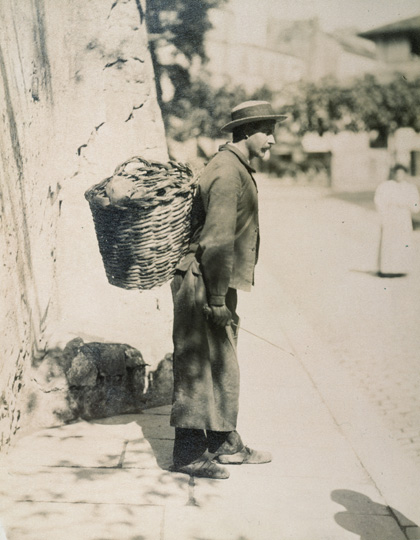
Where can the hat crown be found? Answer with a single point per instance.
(252, 109)
(250, 112)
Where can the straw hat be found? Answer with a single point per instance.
(252, 111)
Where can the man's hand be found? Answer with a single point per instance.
(220, 315)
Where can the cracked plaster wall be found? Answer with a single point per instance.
(77, 97)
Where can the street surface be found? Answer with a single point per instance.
(318, 330)
(323, 250)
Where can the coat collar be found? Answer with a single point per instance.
(239, 155)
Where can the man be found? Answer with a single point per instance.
(221, 259)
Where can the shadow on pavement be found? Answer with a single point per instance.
(159, 435)
(368, 519)
(373, 273)
(81, 472)
(155, 429)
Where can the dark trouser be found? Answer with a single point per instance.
(206, 370)
(190, 444)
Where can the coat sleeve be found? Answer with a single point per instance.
(217, 237)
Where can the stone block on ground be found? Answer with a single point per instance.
(85, 380)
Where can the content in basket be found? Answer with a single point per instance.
(120, 190)
(142, 221)
(133, 183)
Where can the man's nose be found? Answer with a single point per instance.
(271, 139)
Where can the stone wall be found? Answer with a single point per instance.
(77, 97)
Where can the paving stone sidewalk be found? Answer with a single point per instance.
(108, 479)
(335, 475)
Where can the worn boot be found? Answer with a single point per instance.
(189, 455)
(224, 442)
(203, 468)
(245, 456)
(233, 451)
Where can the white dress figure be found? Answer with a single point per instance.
(396, 200)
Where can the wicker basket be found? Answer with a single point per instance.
(142, 240)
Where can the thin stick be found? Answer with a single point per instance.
(263, 339)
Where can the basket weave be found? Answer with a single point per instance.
(142, 241)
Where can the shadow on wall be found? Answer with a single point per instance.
(368, 519)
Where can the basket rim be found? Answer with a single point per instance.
(102, 201)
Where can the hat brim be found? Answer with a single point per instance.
(252, 119)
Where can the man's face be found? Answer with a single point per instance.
(261, 139)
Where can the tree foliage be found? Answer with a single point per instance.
(366, 105)
(181, 24)
(198, 109)
(203, 110)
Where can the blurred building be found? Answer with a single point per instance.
(247, 59)
(398, 52)
(341, 55)
(255, 49)
(397, 48)
(277, 52)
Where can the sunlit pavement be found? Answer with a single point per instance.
(337, 471)
(322, 249)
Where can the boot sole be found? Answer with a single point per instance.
(200, 474)
(227, 461)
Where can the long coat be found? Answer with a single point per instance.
(222, 258)
(395, 202)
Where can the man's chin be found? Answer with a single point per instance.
(263, 154)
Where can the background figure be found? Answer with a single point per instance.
(395, 200)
